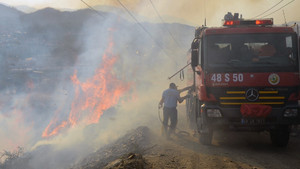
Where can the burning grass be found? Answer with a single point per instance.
(92, 97)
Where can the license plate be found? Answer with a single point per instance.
(253, 121)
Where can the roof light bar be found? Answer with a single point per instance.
(261, 22)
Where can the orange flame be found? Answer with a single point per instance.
(92, 97)
(48, 132)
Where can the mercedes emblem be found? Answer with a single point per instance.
(252, 94)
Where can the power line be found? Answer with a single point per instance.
(269, 9)
(156, 11)
(92, 8)
(279, 8)
(136, 20)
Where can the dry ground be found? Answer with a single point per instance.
(229, 150)
(145, 148)
(232, 150)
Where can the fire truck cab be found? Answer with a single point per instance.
(246, 78)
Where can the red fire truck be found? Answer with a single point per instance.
(246, 78)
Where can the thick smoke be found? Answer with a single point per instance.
(194, 12)
(41, 57)
(43, 50)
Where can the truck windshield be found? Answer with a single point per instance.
(251, 52)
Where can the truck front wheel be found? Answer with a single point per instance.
(280, 136)
(205, 130)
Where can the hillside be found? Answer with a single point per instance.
(57, 37)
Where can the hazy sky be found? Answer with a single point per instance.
(191, 11)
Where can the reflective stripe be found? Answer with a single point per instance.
(232, 98)
(268, 92)
(275, 97)
(225, 103)
(235, 92)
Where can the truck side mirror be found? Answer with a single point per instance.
(195, 53)
(195, 57)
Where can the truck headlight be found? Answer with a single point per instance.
(290, 113)
(213, 113)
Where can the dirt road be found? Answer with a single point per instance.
(228, 150)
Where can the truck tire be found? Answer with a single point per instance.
(206, 138)
(280, 136)
(205, 130)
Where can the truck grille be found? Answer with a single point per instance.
(252, 96)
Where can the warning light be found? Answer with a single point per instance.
(231, 22)
(228, 23)
(264, 22)
(258, 22)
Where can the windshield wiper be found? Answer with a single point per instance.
(234, 62)
(266, 62)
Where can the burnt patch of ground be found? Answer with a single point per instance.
(126, 152)
(128, 161)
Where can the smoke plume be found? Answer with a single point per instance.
(75, 81)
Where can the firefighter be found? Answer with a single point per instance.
(265, 52)
(169, 100)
